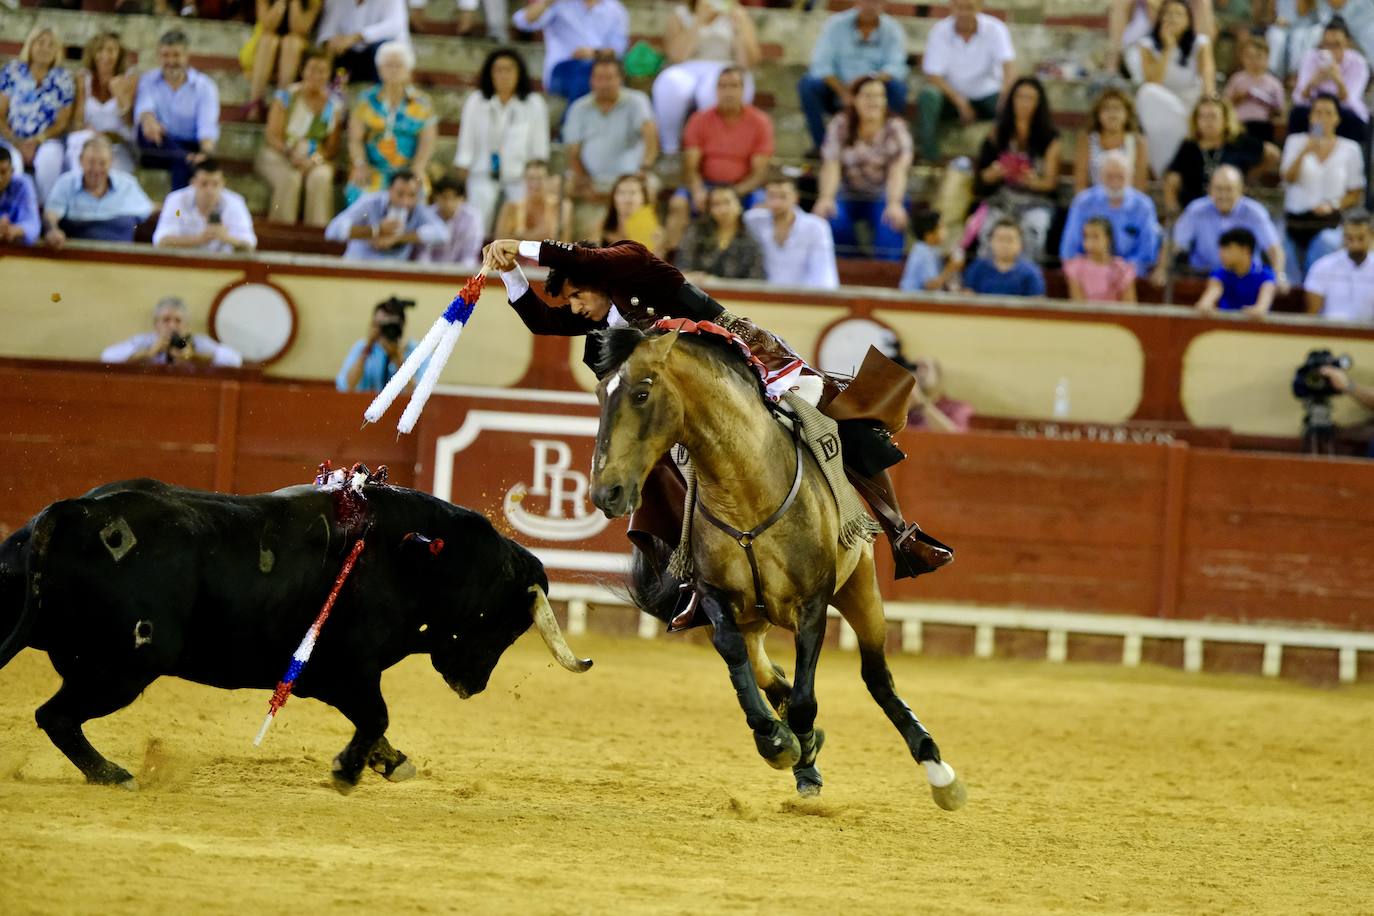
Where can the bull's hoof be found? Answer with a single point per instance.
(112, 775)
(779, 747)
(343, 783)
(129, 785)
(401, 771)
(951, 797)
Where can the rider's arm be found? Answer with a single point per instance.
(633, 266)
(537, 314)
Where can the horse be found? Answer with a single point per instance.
(662, 388)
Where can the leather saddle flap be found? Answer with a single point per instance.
(879, 391)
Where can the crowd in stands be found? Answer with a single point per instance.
(1197, 103)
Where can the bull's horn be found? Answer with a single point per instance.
(553, 636)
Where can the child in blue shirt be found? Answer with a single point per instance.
(1238, 285)
(1006, 273)
(924, 270)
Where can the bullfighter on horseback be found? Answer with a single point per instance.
(625, 283)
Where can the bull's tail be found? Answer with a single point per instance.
(652, 590)
(21, 559)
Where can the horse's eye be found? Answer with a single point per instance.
(642, 396)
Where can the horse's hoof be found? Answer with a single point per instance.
(401, 772)
(808, 781)
(951, 797)
(781, 748)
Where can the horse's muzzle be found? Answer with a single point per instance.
(615, 500)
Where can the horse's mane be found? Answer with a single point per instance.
(616, 344)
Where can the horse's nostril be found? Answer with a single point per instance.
(613, 495)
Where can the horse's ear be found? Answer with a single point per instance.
(663, 345)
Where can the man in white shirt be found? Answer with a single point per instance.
(1340, 286)
(798, 249)
(169, 344)
(205, 215)
(970, 64)
(354, 29)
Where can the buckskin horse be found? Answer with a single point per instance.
(661, 388)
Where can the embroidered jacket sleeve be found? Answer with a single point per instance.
(542, 318)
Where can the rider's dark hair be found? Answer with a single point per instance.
(557, 279)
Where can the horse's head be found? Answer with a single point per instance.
(642, 414)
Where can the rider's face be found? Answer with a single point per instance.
(589, 303)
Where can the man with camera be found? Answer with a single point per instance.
(372, 361)
(170, 344)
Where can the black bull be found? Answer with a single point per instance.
(138, 579)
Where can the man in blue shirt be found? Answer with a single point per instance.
(575, 33)
(372, 362)
(855, 43)
(177, 111)
(1135, 224)
(93, 202)
(385, 225)
(1202, 223)
(19, 222)
(1006, 273)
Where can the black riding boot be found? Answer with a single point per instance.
(914, 552)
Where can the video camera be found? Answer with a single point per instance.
(1314, 389)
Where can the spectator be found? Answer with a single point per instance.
(1114, 128)
(1200, 227)
(300, 143)
(1344, 384)
(1017, 173)
(1129, 214)
(504, 125)
(703, 38)
(1256, 94)
(1098, 275)
(1128, 21)
(859, 42)
(969, 65)
(386, 225)
(1323, 174)
(865, 170)
(797, 247)
(924, 271)
(104, 101)
(177, 111)
(95, 202)
(608, 133)
(355, 32)
(576, 32)
(372, 361)
(1340, 286)
(1005, 271)
(542, 211)
(630, 215)
(495, 12)
(1338, 69)
(19, 222)
(928, 407)
(205, 215)
(463, 223)
(730, 145)
(393, 126)
(1215, 138)
(1310, 23)
(169, 344)
(1239, 284)
(37, 98)
(1172, 66)
(718, 246)
(282, 34)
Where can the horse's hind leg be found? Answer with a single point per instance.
(79, 700)
(802, 707)
(772, 680)
(861, 605)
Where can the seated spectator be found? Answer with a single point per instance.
(1129, 215)
(608, 133)
(1004, 272)
(857, 43)
(1098, 275)
(282, 35)
(300, 143)
(170, 343)
(718, 246)
(177, 111)
(354, 31)
(505, 124)
(1114, 128)
(1340, 286)
(1215, 138)
(703, 38)
(630, 215)
(1128, 21)
(928, 407)
(1200, 227)
(393, 126)
(386, 225)
(927, 269)
(1171, 66)
(205, 215)
(1239, 284)
(542, 212)
(1323, 174)
(1254, 92)
(37, 98)
(95, 202)
(463, 223)
(798, 249)
(495, 12)
(104, 101)
(19, 222)
(969, 64)
(576, 32)
(373, 360)
(1338, 69)
(1017, 173)
(730, 145)
(865, 169)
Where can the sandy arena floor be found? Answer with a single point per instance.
(635, 788)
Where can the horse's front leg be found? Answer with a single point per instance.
(802, 706)
(774, 740)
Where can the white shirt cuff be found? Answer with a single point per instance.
(516, 284)
(530, 250)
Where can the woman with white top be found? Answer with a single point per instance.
(1323, 174)
(504, 125)
(104, 101)
(1128, 21)
(1173, 68)
(1114, 128)
(702, 38)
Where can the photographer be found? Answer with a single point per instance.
(168, 343)
(372, 361)
(1343, 384)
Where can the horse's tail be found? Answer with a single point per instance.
(652, 590)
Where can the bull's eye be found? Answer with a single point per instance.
(642, 397)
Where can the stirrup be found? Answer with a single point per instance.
(915, 553)
(685, 609)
